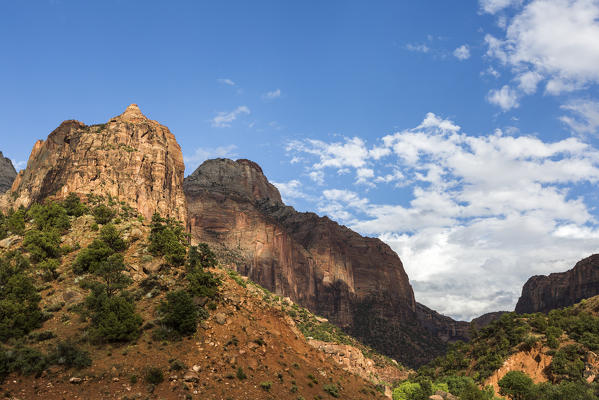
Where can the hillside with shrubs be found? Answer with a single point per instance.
(98, 302)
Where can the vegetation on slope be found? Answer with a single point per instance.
(110, 308)
(570, 336)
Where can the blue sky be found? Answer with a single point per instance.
(464, 134)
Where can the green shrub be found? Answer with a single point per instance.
(203, 283)
(48, 269)
(153, 375)
(567, 363)
(42, 245)
(113, 317)
(331, 389)
(15, 221)
(240, 374)
(200, 257)
(103, 214)
(112, 237)
(73, 206)
(70, 356)
(167, 239)
(19, 300)
(89, 258)
(23, 360)
(516, 384)
(180, 313)
(50, 216)
(266, 385)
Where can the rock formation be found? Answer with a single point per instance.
(544, 293)
(357, 282)
(131, 158)
(7, 173)
(486, 319)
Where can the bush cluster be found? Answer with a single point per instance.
(19, 300)
(168, 239)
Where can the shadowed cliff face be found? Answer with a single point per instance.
(131, 158)
(544, 293)
(7, 173)
(358, 283)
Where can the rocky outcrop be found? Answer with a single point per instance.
(486, 319)
(131, 158)
(544, 293)
(443, 327)
(7, 173)
(357, 282)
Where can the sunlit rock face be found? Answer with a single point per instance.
(131, 158)
(543, 293)
(7, 173)
(357, 282)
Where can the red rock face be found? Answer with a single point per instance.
(7, 173)
(358, 283)
(130, 158)
(544, 293)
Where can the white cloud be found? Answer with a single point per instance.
(291, 190)
(226, 81)
(506, 98)
(485, 212)
(494, 6)
(275, 94)
(462, 52)
(584, 118)
(420, 48)
(223, 119)
(202, 154)
(550, 41)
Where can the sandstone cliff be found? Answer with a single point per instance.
(544, 293)
(7, 173)
(131, 158)
(357, 282)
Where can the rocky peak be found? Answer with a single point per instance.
(130, 158)
(543, 293)
(7, 173)
(132, 114)
(242, 179)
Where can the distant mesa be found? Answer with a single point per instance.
(545, 293)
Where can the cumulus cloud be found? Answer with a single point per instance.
(292, 190)
(275, 94)
(224, 119)
(583, 117)
(202, 154)
(462, 52)
(484, 212)
(506, 98)
(555, 42)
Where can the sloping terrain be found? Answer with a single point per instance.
(525, 357)
(60, 271)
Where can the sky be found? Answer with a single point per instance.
(464, 134)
